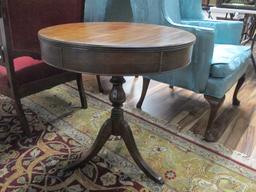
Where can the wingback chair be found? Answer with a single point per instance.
(218, 61)
(22, 72)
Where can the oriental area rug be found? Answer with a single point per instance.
(61, 131)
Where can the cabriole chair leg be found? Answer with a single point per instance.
(144, 92)
(213, 134)
(81, 91)
(253, 62)
(240, 83)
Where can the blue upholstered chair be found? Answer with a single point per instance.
(218, 61)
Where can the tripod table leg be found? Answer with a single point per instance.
(134, 152)
(101, 139)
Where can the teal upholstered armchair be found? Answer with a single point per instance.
(218, 60)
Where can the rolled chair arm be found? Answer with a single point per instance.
(226, 32)
(199, 68)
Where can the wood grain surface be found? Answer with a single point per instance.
(119, 35)
(114, 48)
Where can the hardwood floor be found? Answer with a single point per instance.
(190, 110)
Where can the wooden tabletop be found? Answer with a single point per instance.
(111, 48)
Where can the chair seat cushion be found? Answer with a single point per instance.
(227, 59)
(27, 70)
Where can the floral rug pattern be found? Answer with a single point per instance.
(62, 130)
(36, 164)
(216, 152)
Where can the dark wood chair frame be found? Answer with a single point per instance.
(252, 48)
(16, 92)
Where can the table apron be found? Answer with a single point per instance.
(114, 63)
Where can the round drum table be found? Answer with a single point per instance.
(117, 50)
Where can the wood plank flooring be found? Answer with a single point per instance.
(190, 111)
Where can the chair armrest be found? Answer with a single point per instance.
(199, 68)
(221, 28)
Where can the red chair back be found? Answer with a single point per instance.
(24, 18)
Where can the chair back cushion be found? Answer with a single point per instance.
(27, 17)
(95, 10)
(191, 9)
(139, 11)
(172, 9)
(108, 10)
(147, 11)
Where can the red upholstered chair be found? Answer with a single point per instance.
(22, 73)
